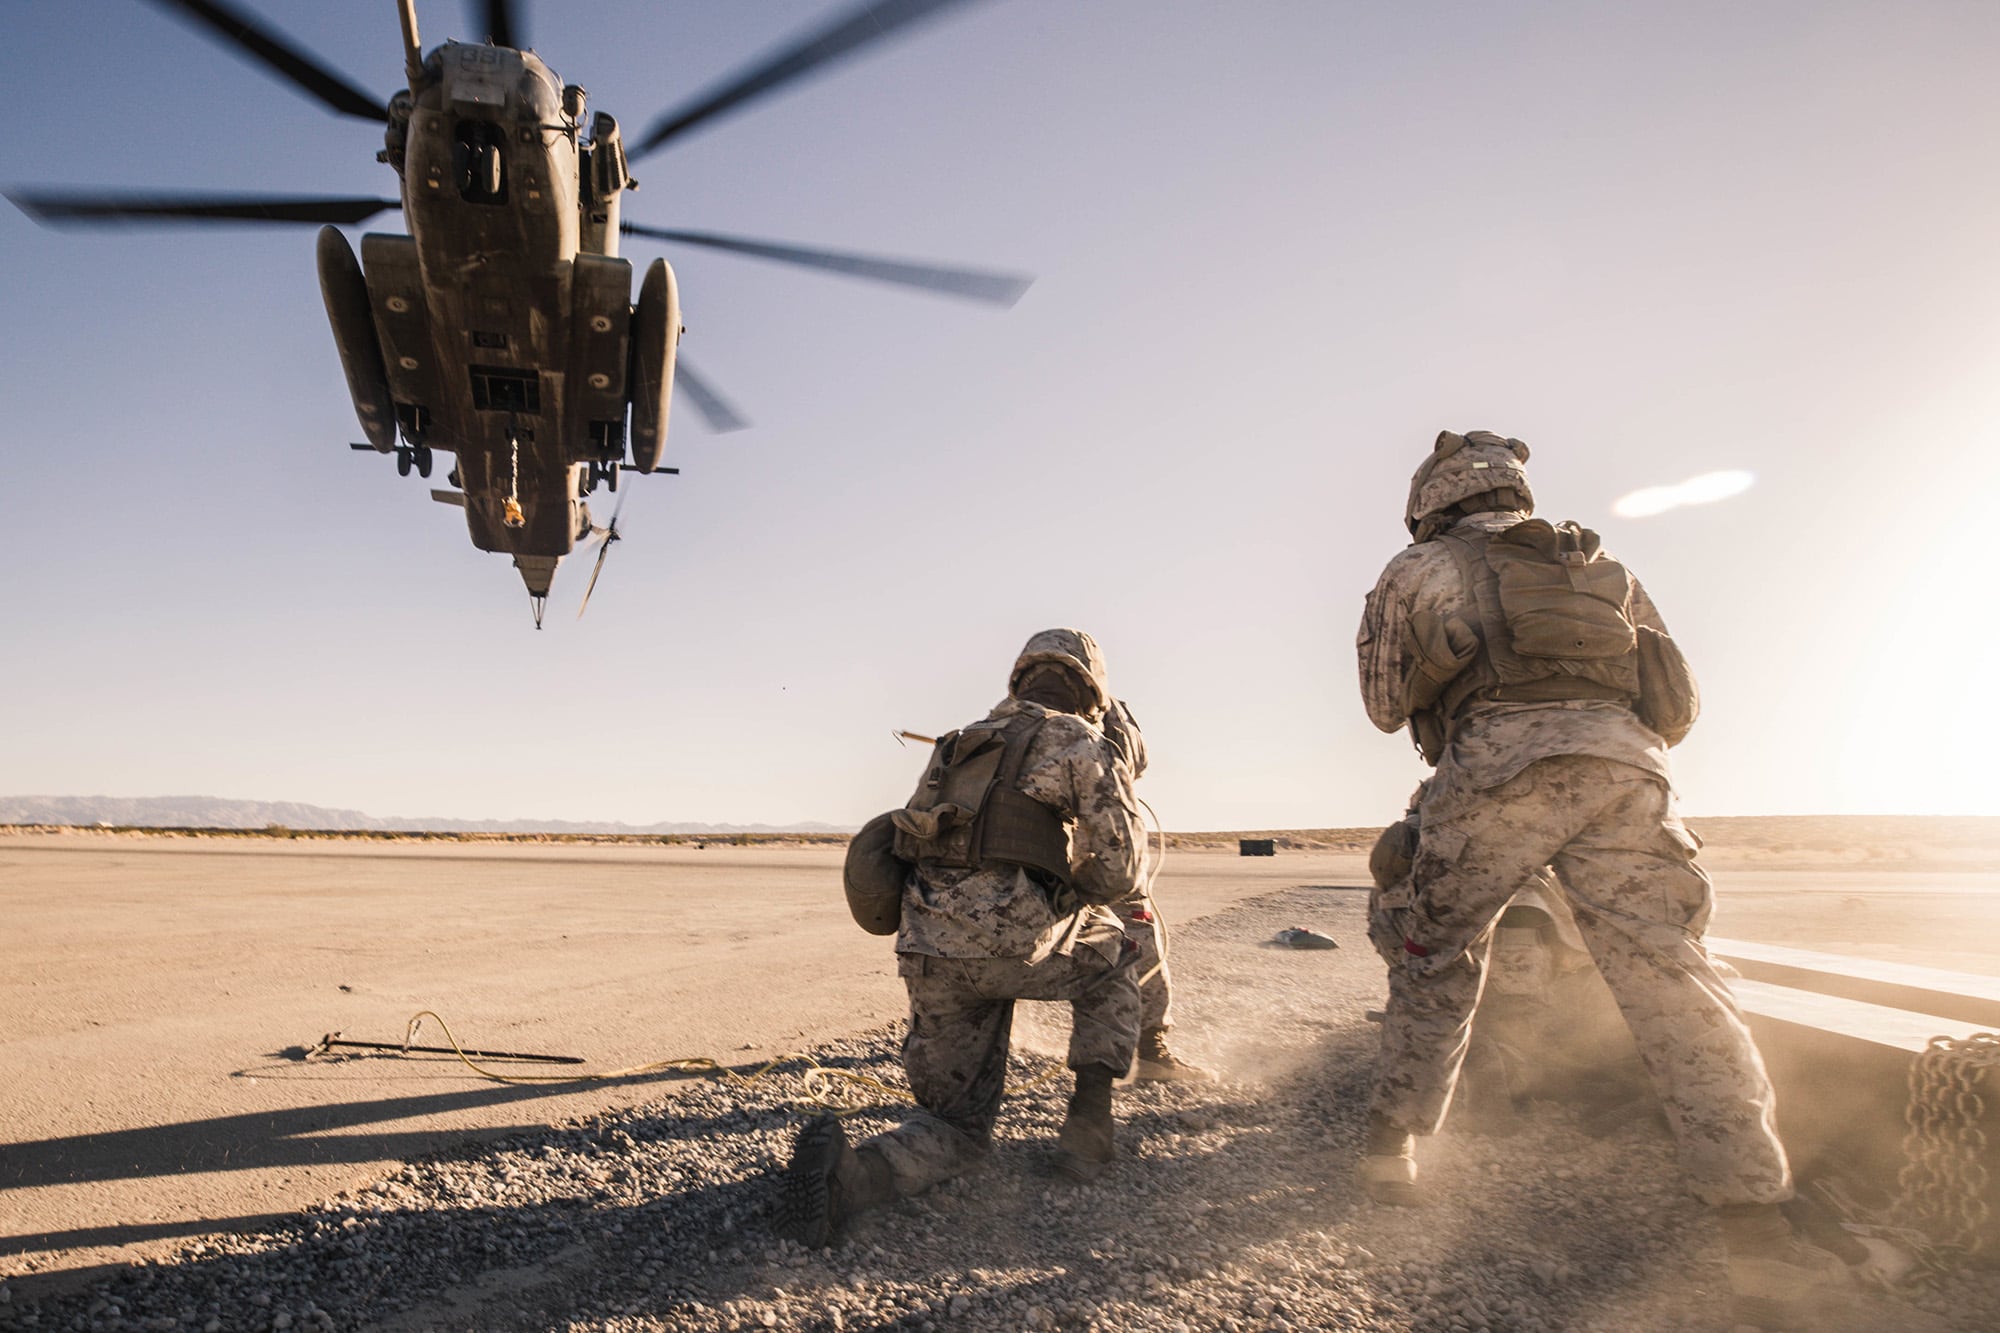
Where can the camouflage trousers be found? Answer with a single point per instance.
(961, 1029)
(1145, 929)
(1626, 865)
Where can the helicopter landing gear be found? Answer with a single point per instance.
(601, 474)
(413, 455)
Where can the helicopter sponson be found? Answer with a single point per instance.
(502, 328)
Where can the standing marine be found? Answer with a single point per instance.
(1156, 1061)
(1537, 676)
(999, 871)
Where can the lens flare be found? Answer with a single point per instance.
(1705, 489)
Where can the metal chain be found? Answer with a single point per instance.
(1944, 1186)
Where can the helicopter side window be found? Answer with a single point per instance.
(505, 389)
(479, 162)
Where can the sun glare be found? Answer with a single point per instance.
(1918, 737)
(1705, 489)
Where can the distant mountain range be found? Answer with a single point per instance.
(216, 812)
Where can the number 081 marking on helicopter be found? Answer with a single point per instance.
(502, 327)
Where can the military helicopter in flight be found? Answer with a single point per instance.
(501, 329)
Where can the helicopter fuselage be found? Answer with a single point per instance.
(501, 328)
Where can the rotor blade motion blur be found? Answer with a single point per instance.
(609, 536)
(714, 408)
(57, 209)
(500, 26)
(871, 22)
(1002, 289)
(294, 65)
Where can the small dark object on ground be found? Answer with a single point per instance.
(1298, 937)
(1256, 847)
(326, 1044)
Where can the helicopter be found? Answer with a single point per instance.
(502, 327)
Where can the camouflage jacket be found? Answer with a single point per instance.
(1000, 911)
(1491, 741)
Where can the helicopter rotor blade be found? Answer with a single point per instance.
(713, 407)
(610, 540)
(1002, 289)
(608, 537)
(500, 26)
(595, 570)
(57, 209)
(278, 54)
(871, 22)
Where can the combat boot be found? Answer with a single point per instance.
(1157, 1064)
(829, 1182)
(1777, 1280)
(1388, 1173)
(1085, 1143)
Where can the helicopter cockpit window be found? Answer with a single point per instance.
(478, 159)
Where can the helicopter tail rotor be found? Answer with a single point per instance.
(607, 537)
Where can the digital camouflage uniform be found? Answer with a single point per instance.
(1136, 909)
(973, 941)
(1583, 788)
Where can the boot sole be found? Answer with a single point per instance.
(811, 1195)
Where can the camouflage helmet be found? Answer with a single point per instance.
(1462, 466)
(1070, 648)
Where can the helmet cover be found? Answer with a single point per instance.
(1462, 466)
(1070, 648)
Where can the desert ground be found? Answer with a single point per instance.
(167, 1159)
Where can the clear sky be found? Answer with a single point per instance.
(1278, 247)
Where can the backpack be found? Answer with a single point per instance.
(1554, 624)
(968, 809)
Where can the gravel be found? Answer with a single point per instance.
(1231, 1209)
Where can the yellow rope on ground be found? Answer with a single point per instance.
(821, 1081)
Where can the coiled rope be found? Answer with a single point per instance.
(822, 1083)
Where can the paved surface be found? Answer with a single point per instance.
(1948, 919)
(150, 986)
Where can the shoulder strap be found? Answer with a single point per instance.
(1019, 734)
(1481, 588)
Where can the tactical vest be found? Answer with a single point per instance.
(1554, 623)
(969, 809)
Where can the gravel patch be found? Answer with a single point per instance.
(1231, 1209)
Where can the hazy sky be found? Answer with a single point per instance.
(1278, 247)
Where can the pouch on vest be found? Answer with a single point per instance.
(1554, 617)
(873, 877)
(968, 808)
(1394, 853)
(1438, 648)
(1562, 596)
(1669, 699)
